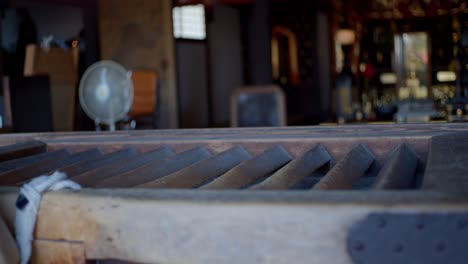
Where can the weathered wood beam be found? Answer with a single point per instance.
(249, 171)
(203, 171)
(111, 158)
(63, 252)
(380, 139)
(348, 170)
(47, 166)
(44, 168)
(29, 160)
(447, 164)
(420, 134)
(399, 169)
(296, 170)
(18, 175)
(224, 227)
(93, 177)
(22, 149)
(155, 170)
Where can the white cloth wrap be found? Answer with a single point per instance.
(27, 207)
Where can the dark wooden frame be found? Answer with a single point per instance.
(237, 226)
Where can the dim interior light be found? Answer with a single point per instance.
(446, 76)
(388, 78)
(345, 36)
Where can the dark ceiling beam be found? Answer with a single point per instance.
(211, 2)
(73, 3)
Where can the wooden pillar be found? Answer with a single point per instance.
(138, 34)
(91, 34)
(259, 44)
(323, 51)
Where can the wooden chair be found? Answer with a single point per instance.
(144, 99)
(258, 106)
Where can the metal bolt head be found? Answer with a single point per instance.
(358, 245)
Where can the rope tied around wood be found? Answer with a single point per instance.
(27, 207)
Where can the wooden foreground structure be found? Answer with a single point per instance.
(251, 195)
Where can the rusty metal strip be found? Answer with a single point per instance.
(347, 172)
(203, 171)
(156, 170)
(22, 149)
(296, 170)
(41, 168)
(93, 177)
(252, 170)
(409, 237)
(26, 161)
(399, 169)
(82, 167)
(15, 176)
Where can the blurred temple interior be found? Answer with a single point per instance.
(70, 65)
(234, 131)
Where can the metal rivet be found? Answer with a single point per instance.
(461, 224)
(440, 247)
(358, 246)
(397, 248)
(381, 223)
(420, 225)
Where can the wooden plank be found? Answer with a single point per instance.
(380, 139)
(296, 140)
(430, 129)
(196, 226)
(93, 177)
(156, 170)
(26, 161)
(447, 164)
(249, 171)
(47, 251)
(8, 249)
(108, 261)
(419, 133)
(296, 146)
(47, 167)
(22, 149)
(348, 171)
(203, 171)
(114, 157)
(24, 173)
(399, 170)
(296, 170)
